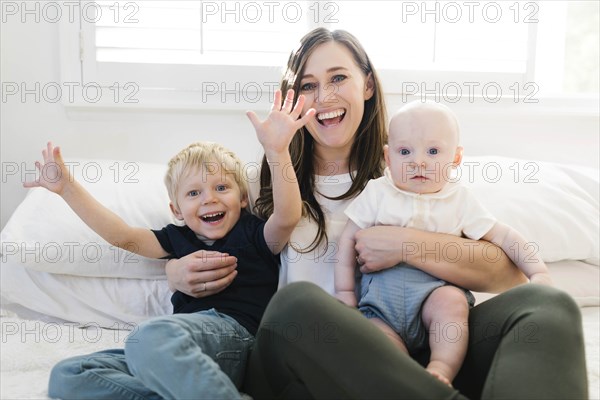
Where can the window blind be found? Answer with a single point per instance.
(196, 32)
(402, 35)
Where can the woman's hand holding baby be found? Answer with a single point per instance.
(202, 273)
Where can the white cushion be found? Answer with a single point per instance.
(44, 234)
(555, 207)
(105, 302)
(54, 264)
(579, 279)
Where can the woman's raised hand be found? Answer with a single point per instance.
(276, 132)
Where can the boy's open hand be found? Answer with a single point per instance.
(54, 175)
(276, 132)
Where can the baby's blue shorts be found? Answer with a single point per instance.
(396, 296)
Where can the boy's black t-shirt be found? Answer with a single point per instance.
(246, 298)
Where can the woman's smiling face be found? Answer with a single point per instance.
(337, 88)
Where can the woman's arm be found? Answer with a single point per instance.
(202, 273)
(476, 265)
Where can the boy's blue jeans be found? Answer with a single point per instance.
(182, 356)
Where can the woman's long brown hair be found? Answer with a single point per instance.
(366, 154)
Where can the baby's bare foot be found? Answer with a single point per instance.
(439, 375)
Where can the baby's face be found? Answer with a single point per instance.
(422, 150)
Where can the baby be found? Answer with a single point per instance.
(406, 303)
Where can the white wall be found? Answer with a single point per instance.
(30, 53)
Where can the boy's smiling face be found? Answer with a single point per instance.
(209, 201)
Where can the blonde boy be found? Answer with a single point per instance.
(201, 350)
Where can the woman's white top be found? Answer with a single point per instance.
(318, 265)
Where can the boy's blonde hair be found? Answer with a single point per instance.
(208, 156)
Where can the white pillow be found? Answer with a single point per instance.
(44, 234)
(54, 264)
(559, 212)
(105, 302)
(554, 206)
(579, 279)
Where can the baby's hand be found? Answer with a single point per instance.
(276, 132)
(54, 175)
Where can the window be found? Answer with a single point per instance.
(581, 48)
(169, 49)
(199, 32)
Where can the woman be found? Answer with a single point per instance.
(524, 343)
